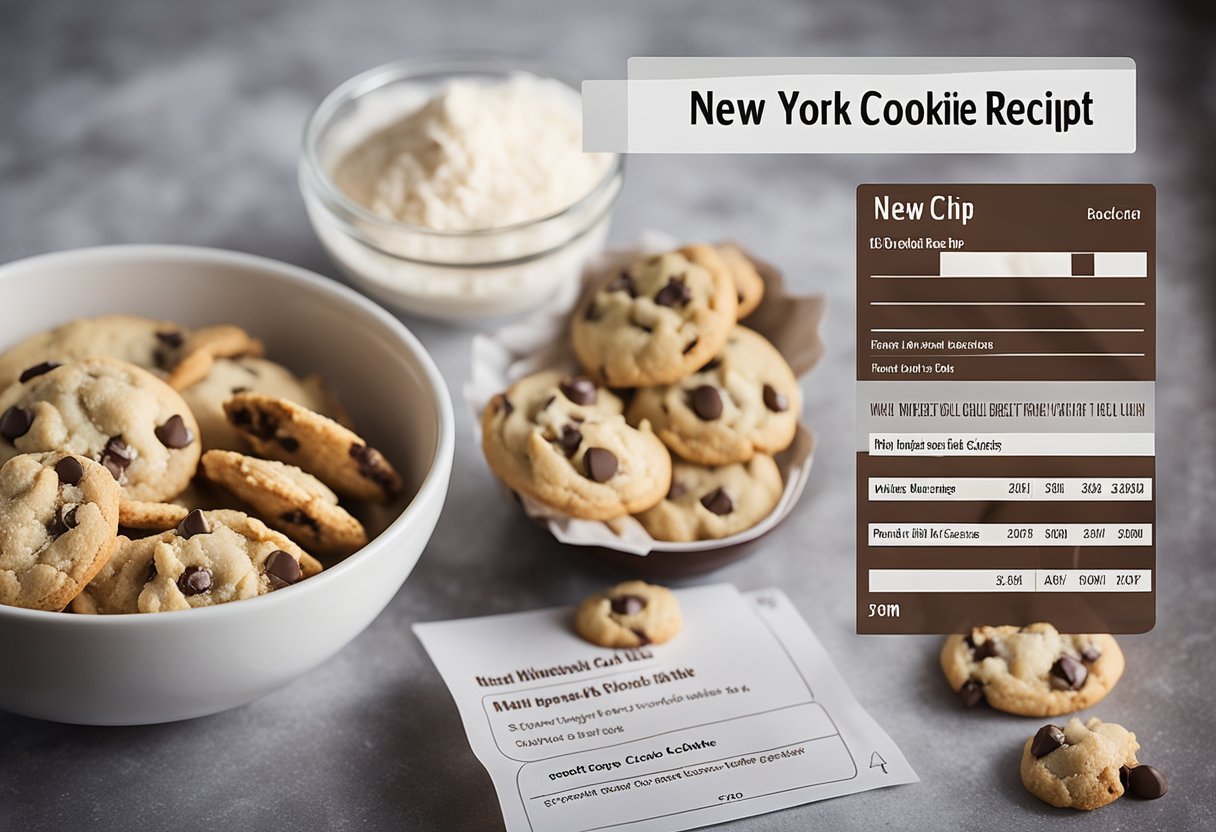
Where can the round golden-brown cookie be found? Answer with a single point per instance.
(744, 402)
(230, 376)
(58, 524)
(563, 441)
(1077, 766)
(630, 614)
(749, 285)
(709, 503)
(1032, 670)
(657, 321)
(211, 558)
(297, 504)
(109, 411)
(340, 458)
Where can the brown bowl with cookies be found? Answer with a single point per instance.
(659, 423)
(204, 489)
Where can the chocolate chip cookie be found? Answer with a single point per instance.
(283, 430)
(562, 440)
(287, 499)
(749, 285)
(58, 524)
(711, 502)
(631, 614)
(1078, 766)
(109, 411)
(158, 346)
(1033, 670)
(190, 357)
(744, 402)
(658, 320)
(230, 376)
(211, 558)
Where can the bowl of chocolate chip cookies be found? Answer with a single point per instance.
(659, 423)
(215, 471)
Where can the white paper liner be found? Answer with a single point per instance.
(542, 341)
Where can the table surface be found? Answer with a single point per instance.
(139, 121)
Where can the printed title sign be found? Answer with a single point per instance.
(865, 105)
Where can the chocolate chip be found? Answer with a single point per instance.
(152, 573)
(1125, 775)
(718, 502)
(1068, 673)
(116, 456)
(373, 468)
(195, 580)
(690, 346)
(676, 491)
(599, 464)
(1091, 654)
(628, 604)
(171, 338)
(580, 390)
(69, 470)
(675, 293)
(571, 439)
(16, 422)
(643, 639)
(1047, 740)
(774, 401)
(288, 443)
(282, 569)
(592, 313)
(65, 519)
(707, 402)
(174, 433)
(1147, 783)
(195, 523)
(979, 652)
(972, 693)
(300, 517)
(624, 282)
(39, 369)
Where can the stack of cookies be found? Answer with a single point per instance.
(148, 467)
(677, 413)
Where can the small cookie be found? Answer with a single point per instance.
(1078, 766)
(109, 411)
(212, 557)
(744, 402)
(630, 614)
(1032, 670)
(230, 376)
(563, 441)
(708, 503)
(191, 358)
(297, 504)
(657, 321)
(58, 524)
(136, 340)
(749, 285)
(283, 430)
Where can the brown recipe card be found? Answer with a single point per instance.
(1005, 407)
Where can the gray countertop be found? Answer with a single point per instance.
(144, 121)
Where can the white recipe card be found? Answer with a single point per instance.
(742, 713)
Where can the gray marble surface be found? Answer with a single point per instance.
(147, 121)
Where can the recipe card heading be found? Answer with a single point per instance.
(864, 105)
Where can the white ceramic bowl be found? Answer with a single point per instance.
(138, 669)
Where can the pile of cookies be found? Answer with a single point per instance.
(1037, 671)
(679, 410)
(146, 466)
